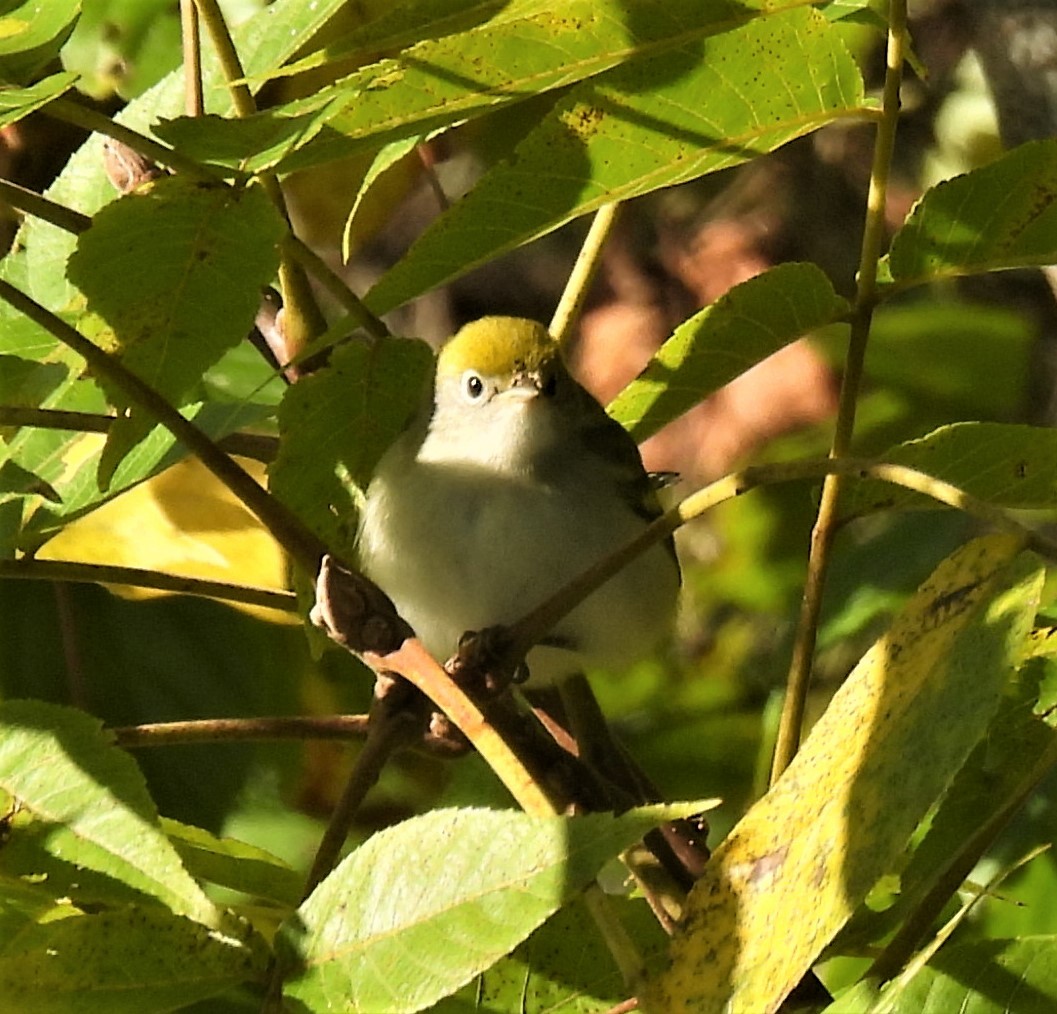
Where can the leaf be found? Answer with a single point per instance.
(423, 907)
(443, 81)
(988, 975)
(721, 342)
(1004, 464)
(176, 269)
(264, 40)
(31, 35)
(637, 128)
(18, 102)
(129, 960)
(793, 870)
(336, 423)
(60, 767)
(1001, 216)
(234, 864)
(563, 968)
(1017, 751)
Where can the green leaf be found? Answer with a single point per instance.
(31, 35)
(336, 423)
(983, 977)
(1001, 216)
(264, 40)
(61, 768)
(175, 269)
(18, 102)
(793, 870)
(423, 907)
(1004, 464)
(130, 960)
(743, 327)
(563, 968)
(234, 864)
(639, 127)
(440, 82)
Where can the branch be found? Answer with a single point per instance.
(237, 730)
(824, 531)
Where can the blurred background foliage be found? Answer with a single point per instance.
(700, 719)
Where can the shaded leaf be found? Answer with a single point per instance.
(234, 864)
(563, 968)
(639, 127)
(336, 423)
(990, 975)
(423, 907)
(61, 768)
(443, 81)
(796, 866)
(1001, 216)
(721, 342)
(132, 960)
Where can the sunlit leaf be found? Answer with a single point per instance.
(1001, 216)
(742, 328)
(697, 108)
(423, 907)
(62, 769)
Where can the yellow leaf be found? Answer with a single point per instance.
(803, 858)
(181, 522)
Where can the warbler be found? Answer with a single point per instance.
(508, 483)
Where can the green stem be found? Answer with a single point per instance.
(302, 318)
(824, 531)
(357, 313)
(584, 270)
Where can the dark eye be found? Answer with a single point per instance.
(472, 385)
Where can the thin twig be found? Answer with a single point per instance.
(34, 569)
(258, 446)
(69, 111)
(530, 629)
(191, 42)
(584, 270)
(40, 207)
(824, 531)
(238, 730)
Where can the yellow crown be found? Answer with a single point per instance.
(497, 346)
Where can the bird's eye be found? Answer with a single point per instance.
(472, 385)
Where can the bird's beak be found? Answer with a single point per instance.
(526, 385)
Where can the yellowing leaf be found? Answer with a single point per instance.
(182, 522)
(797, 865)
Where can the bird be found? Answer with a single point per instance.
(508, 482)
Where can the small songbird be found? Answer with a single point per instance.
(511, 481)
